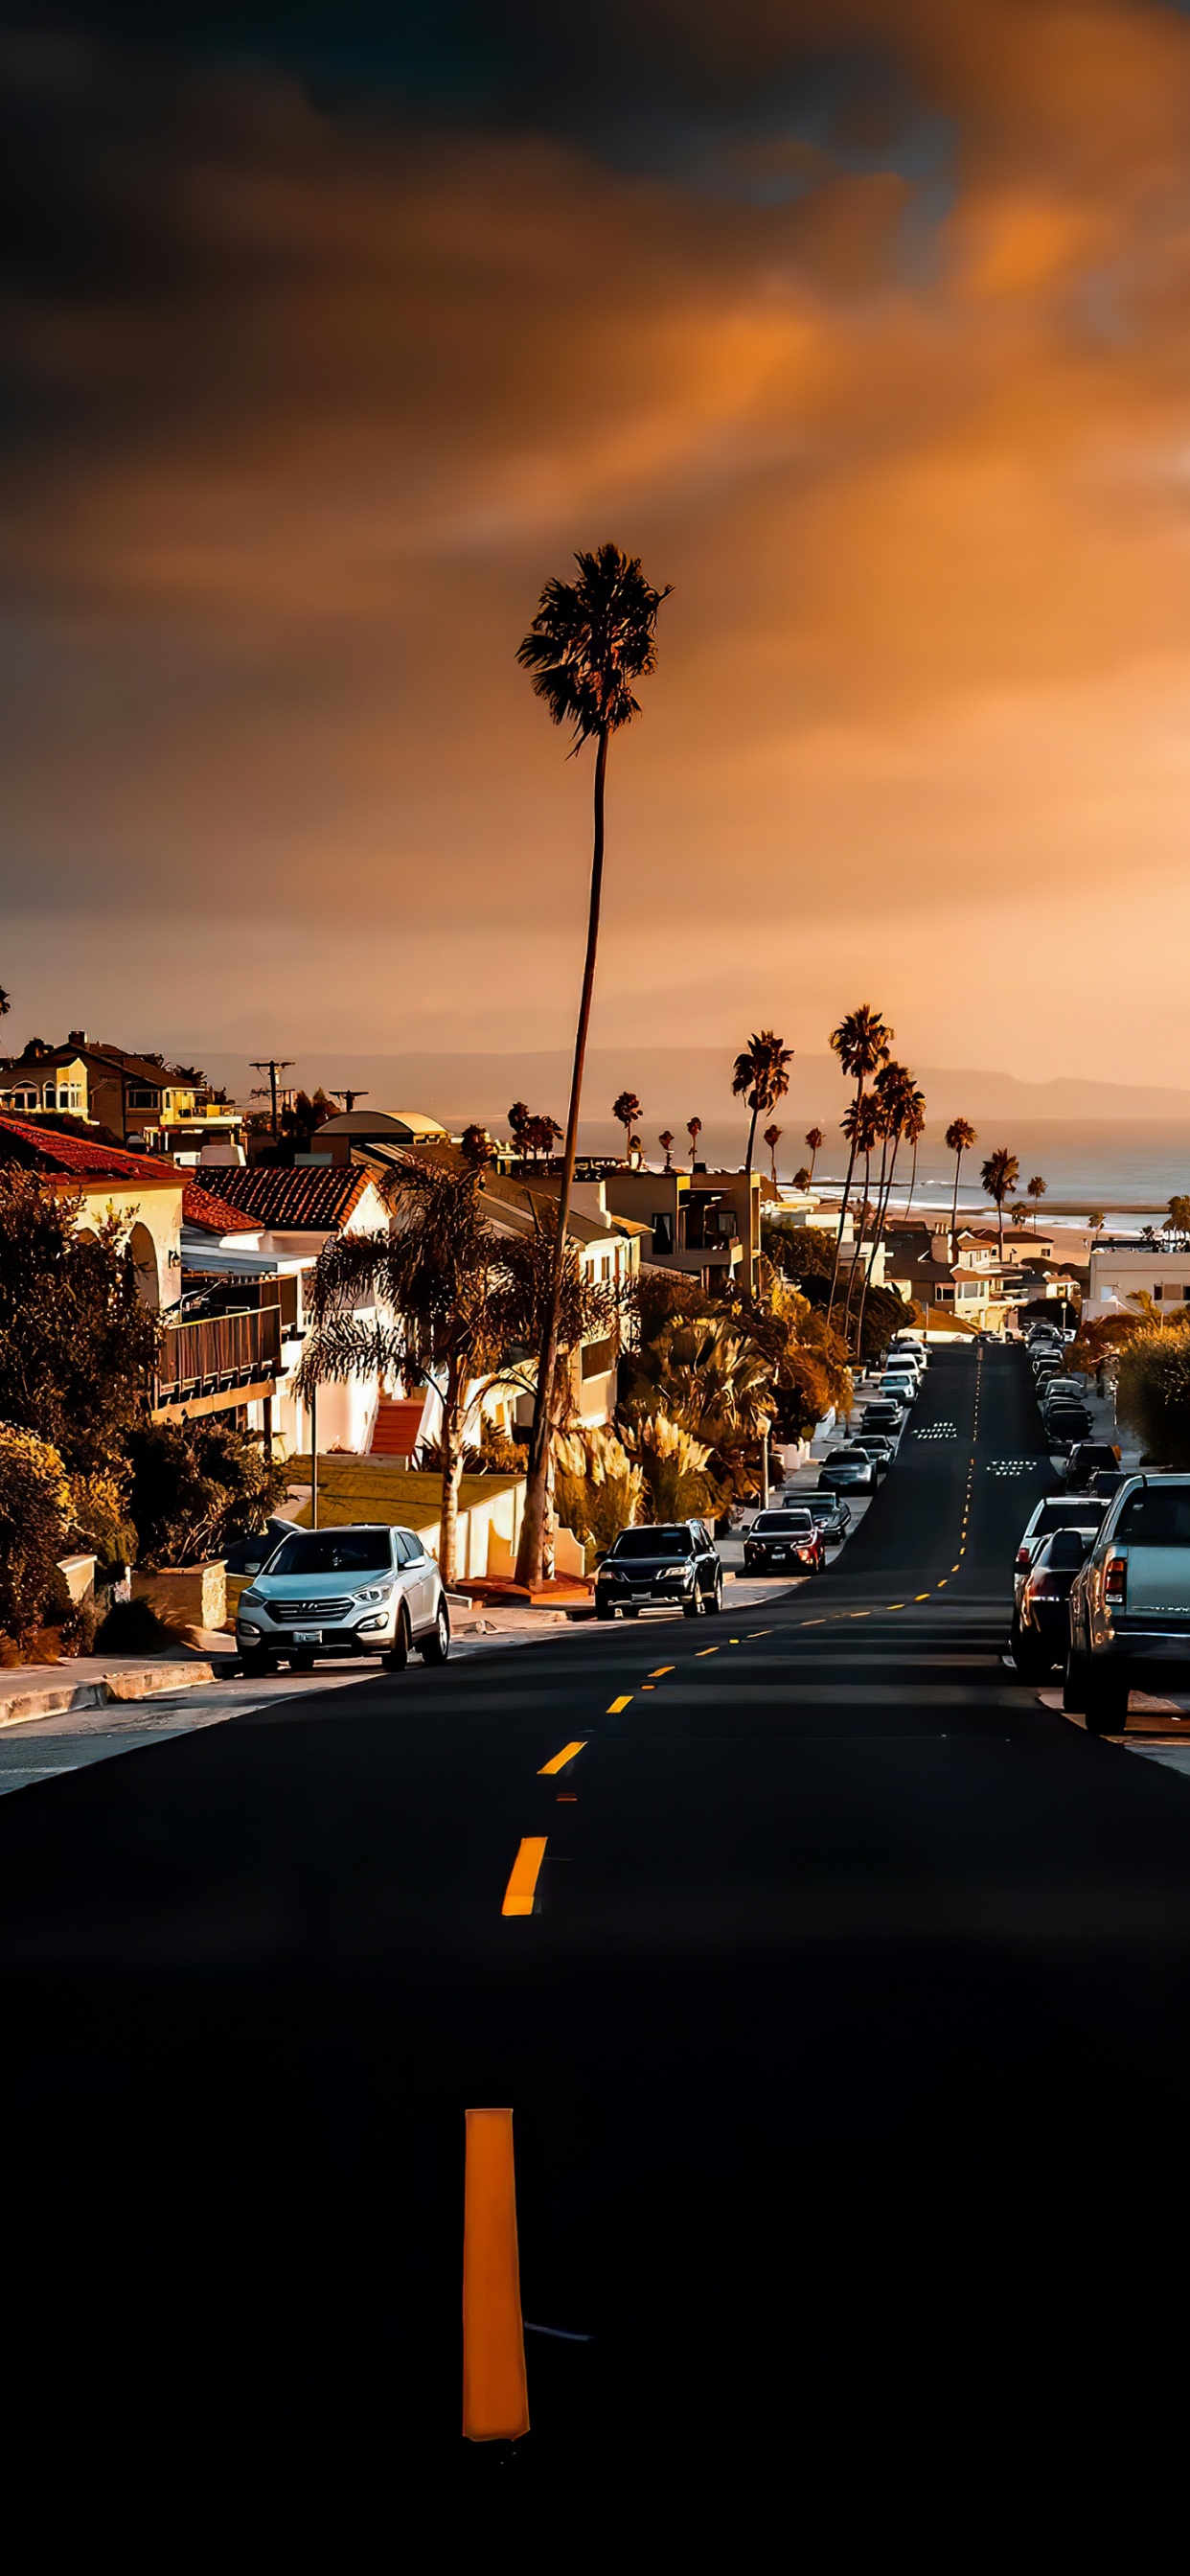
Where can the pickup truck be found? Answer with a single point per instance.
(1130, 1603)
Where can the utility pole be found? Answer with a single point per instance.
(349, 1098)
(272, 1065)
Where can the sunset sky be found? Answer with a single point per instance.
(332, 330)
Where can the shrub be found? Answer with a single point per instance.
(136, 1628)
(34, 1509)
(197, 1486)
(597, 1489)
(1153, 1393)
(673, 1466)
(77, 1343)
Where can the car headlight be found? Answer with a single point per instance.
(251, 1600)
(686, 1571)
(248, 1629)
(375, 1592)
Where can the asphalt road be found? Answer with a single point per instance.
(846, 2046)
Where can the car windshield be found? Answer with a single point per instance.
(782, 1521)
(1065, 1550)
(1159, 1516)
(655, 1542)
(1052, 1516)
(334, 1551)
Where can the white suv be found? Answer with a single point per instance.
(363, 1590)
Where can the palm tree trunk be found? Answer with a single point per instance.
(1000, 1227)
(531, 1553)
(877, 1231)
(454, 1417)
(859, 1247)
(830, 1303)
(954, 1206)
(912, 1185)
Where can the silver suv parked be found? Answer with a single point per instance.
(363, 1590)
(1130, 1605)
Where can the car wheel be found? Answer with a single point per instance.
(695, 1607)
(1030, 1658)
(1074, 1683)
(1105, 1700)
(435, 1648)
(398, 1653)
(715, 1603)
(604, 1610)
(631, 1610)
(303, 1663)
(254, 1665)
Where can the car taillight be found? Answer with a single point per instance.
(1114, 1577)
(1024, 1557)
(1041, 1586)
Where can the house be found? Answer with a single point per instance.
(701, 1223)
(48, 1078)
(137, 1099)
(1124, 1269)
(338, 1138)
(263, 1233)
(145, 1195)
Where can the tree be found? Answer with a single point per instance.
(34, 1518)
(705, 1374)
(861, 1124)
(913, 1131)
(999, 1176)
(475, 1147)
(861, 1041)
(772, 1137)
(666, 1142)
(900, 1101)
(694, 1131)
(1036, 1189)
(541, 1136)
(518, 1125)
(627, 1109)
(801, 1178)
(197, 1487)
(760, 1077)
(815, 1139)
(1153, 1393)
(959, 1138)
(78, 1345)
(1178, 1220)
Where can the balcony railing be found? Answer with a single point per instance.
(217, 1353)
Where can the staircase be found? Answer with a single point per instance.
(397, 1428)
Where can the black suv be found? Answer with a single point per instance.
(670, 1562)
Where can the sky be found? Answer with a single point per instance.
(331, 331)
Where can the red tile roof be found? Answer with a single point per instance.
(312, 1198)
(42, 1149)
(213, 1214)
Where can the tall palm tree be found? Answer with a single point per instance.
(589, 642)
(666, 1142)
(694, 1131)
(627, 1110)
(1036, 1189)
(959, 1138)
(900, 1101)
(772, 1137)
(861, 1042)
(761, 1077)
(861, 1127)
(913, 1131)
(999, 1176)
(815, 1139)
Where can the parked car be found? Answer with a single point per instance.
(1090, 1458)
(1130, 1602)
(846, 1472)
(904, 1346)
(1065, 1423)
(833, 1516)
(1055, 1512)
(878, 1446)
(366, 1589)
(901, 1386)
(1041, 1620)
(884, 1415)
(1074, 1387)
(791, 1539)
(248, 1555)
(670, 1562)
(1108, 1480)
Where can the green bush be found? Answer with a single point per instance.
(196, 1487)
(1153, 1393)
(34, 1510)
(597, 1489)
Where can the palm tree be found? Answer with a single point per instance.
(861, 1126)
(694, 1131)
(913, 1131)
(999, 1176)
(959, 1138)
(815, 1139)
(1036, 1189)
(590, 640)
(901, 1102)
(627, 1110)
(771, 1138)
(666, 1142)
(761, 1077)
(861, 1042)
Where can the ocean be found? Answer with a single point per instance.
(1108, 1164)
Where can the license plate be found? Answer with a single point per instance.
(307, 1636)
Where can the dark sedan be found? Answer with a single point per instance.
(1090, 1458)
(1064, 1424)
(790, 1540)
(833, 1516)
(1041, 1621)
(670, 1563)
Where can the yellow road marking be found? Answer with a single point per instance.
(733, 1641)
(941, 1583)
(495, 2394)
(895, 1605)
(618, 1704)
(522, 1884)
(811, 1623)
(954, 1569)
(764, 1632)
(662, 1668)
(860, 1614)
(706, 1650)
(561, 1759)
(921, 1596)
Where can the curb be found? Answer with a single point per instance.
(19, 1708)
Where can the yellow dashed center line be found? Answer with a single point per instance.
(705, 1650)
(618, 1704)
(662, 1669)
(895, 1605)
(921, 1596)
(522, 1885)
(561, 1759)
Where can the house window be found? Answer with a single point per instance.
(596, 1358)
(140, 1098)
(663, 1231)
